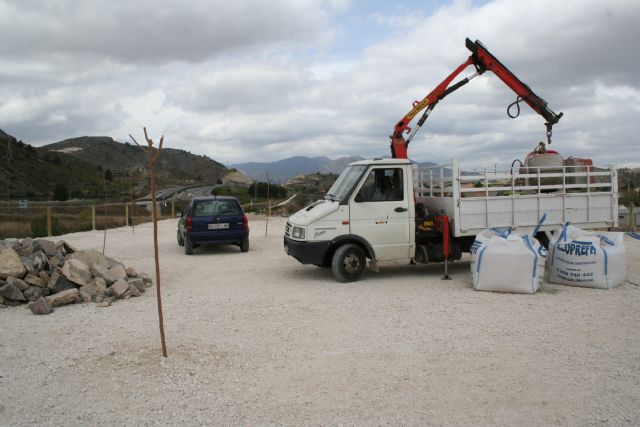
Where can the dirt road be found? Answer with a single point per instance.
(256, 338)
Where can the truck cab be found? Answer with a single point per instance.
(367, 214)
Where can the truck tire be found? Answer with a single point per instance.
(244, 245)
(348, 263)
(188, 247)
(180, 239)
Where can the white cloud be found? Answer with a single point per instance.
(255, 81)
(146, 31)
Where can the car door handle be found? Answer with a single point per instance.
(399, 209)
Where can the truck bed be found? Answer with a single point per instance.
(517, 198)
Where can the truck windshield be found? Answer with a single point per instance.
(345, 183)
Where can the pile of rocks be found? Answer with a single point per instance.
(47, 274)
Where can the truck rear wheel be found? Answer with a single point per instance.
(348, 263)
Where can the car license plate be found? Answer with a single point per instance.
(219, 226)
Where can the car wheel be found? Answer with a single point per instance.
(188, 247)
(180, 239)
(348, 263)
(244, 245)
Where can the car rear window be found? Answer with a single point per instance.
(216, 207)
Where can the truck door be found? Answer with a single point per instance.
(379, 212)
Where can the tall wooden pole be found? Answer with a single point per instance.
(153, 159)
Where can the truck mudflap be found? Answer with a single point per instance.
(307, 252)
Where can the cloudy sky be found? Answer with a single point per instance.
(261, 80)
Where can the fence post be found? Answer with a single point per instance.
(173, 208)
(93, 217)
(49, 221)
(126, 215)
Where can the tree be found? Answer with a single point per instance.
(60, 192)
(274, 190)
(108, 175)
(629, 197)
(628, 181)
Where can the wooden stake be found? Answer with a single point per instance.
(266, 223)
(153, 159)
(49, 231)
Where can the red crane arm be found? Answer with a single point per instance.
(483, 60)
(398, 143)
(486, 61)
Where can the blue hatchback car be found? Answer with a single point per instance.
(214, 220)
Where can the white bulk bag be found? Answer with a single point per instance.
(482, 239)
(507, 263)
(591, 259)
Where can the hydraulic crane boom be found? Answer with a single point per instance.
(482, 60)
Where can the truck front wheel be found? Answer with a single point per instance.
(348, 263)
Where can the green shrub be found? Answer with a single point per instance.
(84, 219)
(39, 226)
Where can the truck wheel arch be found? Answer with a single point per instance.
(344, 239)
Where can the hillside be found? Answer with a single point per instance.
(175, 166)
(80, 164)
(101, 150)
(29, 172)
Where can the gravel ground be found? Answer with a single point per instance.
(257, 338)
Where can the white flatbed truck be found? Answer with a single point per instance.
(388, 209)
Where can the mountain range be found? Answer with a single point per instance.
(82, 163)
(282, 170)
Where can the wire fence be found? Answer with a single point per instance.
(42, 219)
(18, 220)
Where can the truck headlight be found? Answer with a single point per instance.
(297, 233)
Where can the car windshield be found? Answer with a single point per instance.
(345, 183)
(215, 207)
